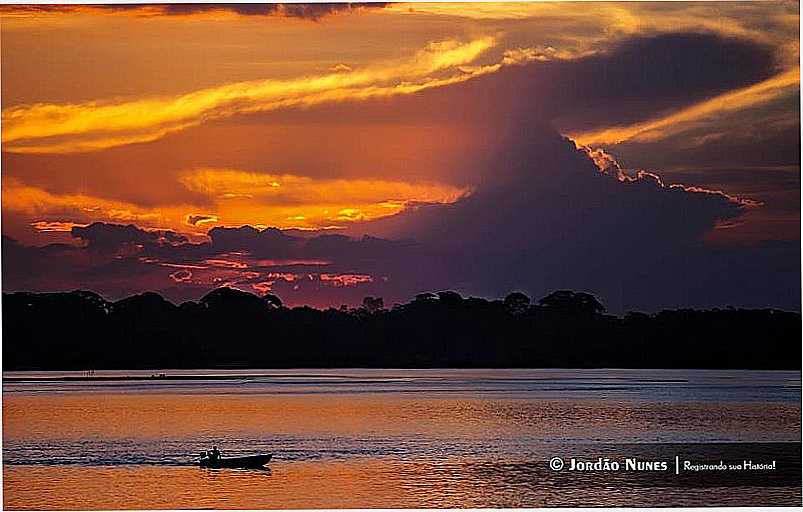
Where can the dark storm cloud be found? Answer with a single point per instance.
(645, 76)
(544, 216)
(101, 236)
(636, 80)
(312, 12)
(171, 237)
(551, 218)
(276, 244)
(767, 135)
(633, 81)
(267, 242)
(321, 269)
(317, 11)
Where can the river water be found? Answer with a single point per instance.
(399, 438)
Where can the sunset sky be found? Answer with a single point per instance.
(648, 153)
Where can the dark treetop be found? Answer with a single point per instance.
(230, 328)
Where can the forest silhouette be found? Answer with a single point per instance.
(229, 328)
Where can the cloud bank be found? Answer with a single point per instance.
(530, 210)
(558, 216)
(313, 12)
(64, 128)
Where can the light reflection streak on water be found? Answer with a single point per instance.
(362, 438)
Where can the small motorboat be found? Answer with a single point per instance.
(250, 462)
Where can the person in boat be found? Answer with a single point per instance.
(214, 454)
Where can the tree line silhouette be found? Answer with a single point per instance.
(229, 328)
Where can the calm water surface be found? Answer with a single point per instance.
(394, 438)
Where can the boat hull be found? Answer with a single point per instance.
(254, 461)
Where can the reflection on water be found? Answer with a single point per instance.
(365, 483)
(720, 385)
(389, 438)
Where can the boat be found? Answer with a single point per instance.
(250, 462)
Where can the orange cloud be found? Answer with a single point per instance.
(55, 226)
(285, 200)
(81, 208)
(237, 198)
(345, 280)
(62, 128)
(230, 184)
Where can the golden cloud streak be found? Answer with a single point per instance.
(688, 118)
(237, 198)
(80, 208)
(61, 128)
(231, 184)
(285, 200)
